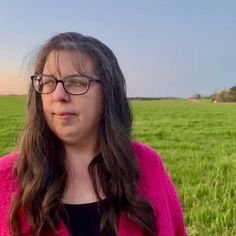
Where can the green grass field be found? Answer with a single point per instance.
(197, 141)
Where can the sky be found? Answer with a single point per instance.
(164, 47)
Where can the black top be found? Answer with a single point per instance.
(84, 219)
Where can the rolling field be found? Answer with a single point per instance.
(197, 141)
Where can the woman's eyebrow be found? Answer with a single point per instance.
(49, 75)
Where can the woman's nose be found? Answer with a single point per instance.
(60, 94)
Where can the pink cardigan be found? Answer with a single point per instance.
(154, 183)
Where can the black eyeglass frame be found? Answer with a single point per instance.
(89, 78)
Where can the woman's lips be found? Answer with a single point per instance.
(64, 115)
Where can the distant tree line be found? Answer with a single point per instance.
(152, 98)
(225, 95)
(228, 95)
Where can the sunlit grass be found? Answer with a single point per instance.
(197, 141)
(12, 117)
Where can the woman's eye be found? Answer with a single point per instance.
(48, 82)
(76, 82)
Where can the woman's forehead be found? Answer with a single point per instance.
(64, 62)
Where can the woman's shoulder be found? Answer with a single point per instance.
(7, 162)
(147, 157)
(154, 178)
(8, 186)
(151, 166)
(153, 172)
(156, 185)
(7, 175)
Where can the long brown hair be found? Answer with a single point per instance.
(41, 169)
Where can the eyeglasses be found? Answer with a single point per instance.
(73, 84)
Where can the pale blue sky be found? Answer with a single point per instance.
(165, 48)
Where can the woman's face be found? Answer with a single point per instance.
(74, 119)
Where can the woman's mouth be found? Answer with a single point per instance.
(64, 115)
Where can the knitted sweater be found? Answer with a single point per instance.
(154, 183)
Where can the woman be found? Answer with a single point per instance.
(78, 172)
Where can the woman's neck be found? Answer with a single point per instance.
(79, 156)
(79, 182)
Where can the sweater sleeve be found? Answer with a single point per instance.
(157, 186)
(7, 188)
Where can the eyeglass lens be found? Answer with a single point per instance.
(72, 84)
